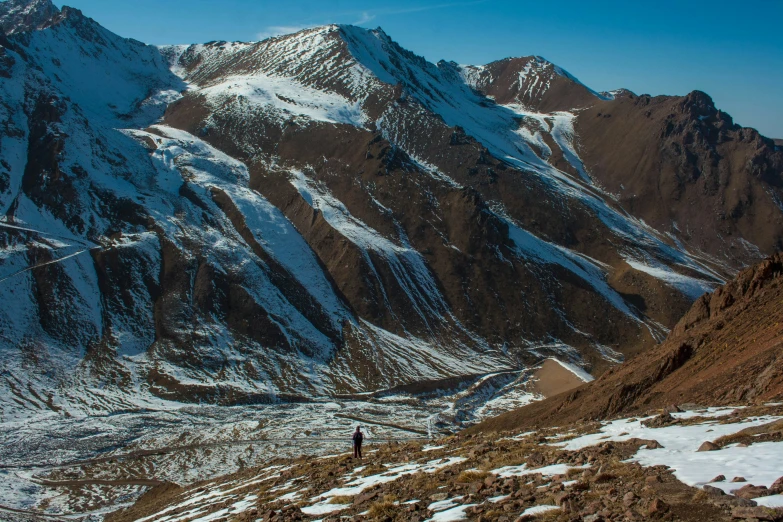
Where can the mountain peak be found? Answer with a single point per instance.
(18, 16)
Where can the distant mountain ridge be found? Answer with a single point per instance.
(326, 212)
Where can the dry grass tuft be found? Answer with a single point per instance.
(383, 509)
(510, 456)
(341, 500)
(471, 475)
(373, 469)
(772, 431)
(604, 476)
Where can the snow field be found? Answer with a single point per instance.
(760, 463)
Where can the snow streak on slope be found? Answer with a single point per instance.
(690, 286)
(530, 246)
(413, 356)
(287, 97)
(564, 136)
(209, 168)
(407, 264)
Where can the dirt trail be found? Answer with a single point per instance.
(384, 424)
(99, 482)
(174, 449)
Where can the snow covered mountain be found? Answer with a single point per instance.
(326, 212)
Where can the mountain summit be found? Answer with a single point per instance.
(326, 212)
(18, 16)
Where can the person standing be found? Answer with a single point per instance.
(358, 438)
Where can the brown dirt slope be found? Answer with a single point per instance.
(553, 379)
(727, 349)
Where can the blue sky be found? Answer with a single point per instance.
(731, 50)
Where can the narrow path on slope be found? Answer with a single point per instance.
(60, 260)
(98, 482)
(39, 515)
(384, 424)
(175, 449)
(5, 224)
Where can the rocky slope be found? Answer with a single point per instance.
(326, 212)
(624, 471)
(728, 349)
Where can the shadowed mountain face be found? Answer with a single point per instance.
(725, 350)
(326, 212)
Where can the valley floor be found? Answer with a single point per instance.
(81, 467)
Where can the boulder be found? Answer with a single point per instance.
(562, 498)
(664, 419)
(475, 487)
(750, 491)
(712, 490)
(536, 460)
(364, 497)
(708, 446)
(657, 507)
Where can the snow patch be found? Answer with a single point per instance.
(759, 463)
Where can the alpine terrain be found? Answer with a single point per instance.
(228, 242)
(616, 449)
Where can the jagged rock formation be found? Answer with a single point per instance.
(728, 349)
(19, 17)
(327, 212)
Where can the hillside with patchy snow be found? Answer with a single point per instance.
(626, 470)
